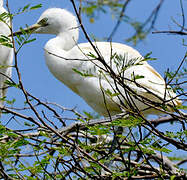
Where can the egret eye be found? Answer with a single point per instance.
(43, 22)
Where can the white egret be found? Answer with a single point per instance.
(6, 53)
(78, 67)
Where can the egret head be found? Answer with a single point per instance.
(53, 21)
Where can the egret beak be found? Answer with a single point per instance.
(29, 29)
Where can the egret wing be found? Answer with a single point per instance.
(127, 62)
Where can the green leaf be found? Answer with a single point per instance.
(148, 58)
(182, 107)
(146, 141)
(99, 130)
(95, 165)
(20, 142)
(7, 45)
(163, 149)
(28, 124)
(84, 74)
(25, 7)
(29, 41)
(36, 7)
(173, 177)
(110, 94)
(92, 55)
(30, 178)
(11, 101)
(4, 16)
(5, 41)
(4, 38)
(2, 129)
(12, 84)
(138, 77)
(89, 115)
(75, 70)
(128, 122)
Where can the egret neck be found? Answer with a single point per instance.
(65, 40)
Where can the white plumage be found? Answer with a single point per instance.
(67, 60)
(6, 56)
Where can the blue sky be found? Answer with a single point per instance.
(40, 82)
